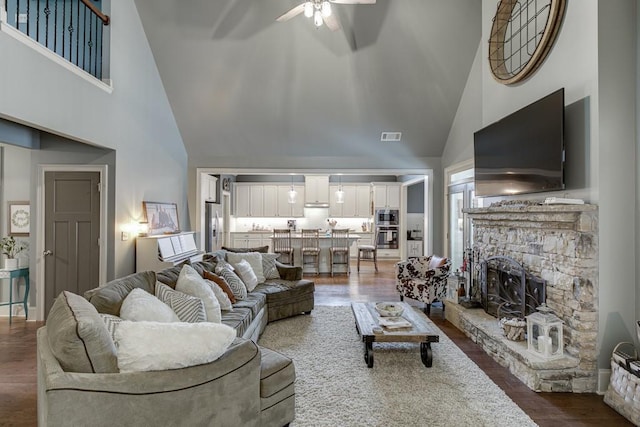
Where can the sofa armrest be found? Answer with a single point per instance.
(157, 397)
(289, 272)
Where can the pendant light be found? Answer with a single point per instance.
(317, 18)
(308, 9)
(293, 194)
(339, 192)
(326, 8)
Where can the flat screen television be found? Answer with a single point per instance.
(523, 152)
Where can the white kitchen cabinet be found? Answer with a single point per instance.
(414, 248)
(209, 188)
(256, 200)
(270, 200)
(243, 201)
(316, 189)
(386, 195)
(290, 210)
(251, 239)
(357, 201)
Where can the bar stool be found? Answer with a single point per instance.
(339, 250)
(311, 249)
(282, 245)
(369, 252)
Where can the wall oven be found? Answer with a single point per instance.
(387, 217)
(387, 237)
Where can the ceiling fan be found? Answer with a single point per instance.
(320, 11)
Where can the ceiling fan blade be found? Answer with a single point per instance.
(292, 13)
(353, 1)
(332, 22)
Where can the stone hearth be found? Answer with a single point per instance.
(558, 243)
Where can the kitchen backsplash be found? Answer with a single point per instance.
(314, 218)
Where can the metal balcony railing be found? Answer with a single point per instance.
(73, 29)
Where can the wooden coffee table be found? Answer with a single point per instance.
(421, 330)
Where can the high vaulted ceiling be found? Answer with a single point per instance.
(243, 85)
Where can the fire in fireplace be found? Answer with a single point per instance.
(507, 290)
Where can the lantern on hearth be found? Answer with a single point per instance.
(544, 333)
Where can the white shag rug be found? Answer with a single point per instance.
(334, 387)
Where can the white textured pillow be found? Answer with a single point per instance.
(244, 270)
(223, 299)
(140, 305)
(191, 283)
(153, 346)
(253, 258)
(187, 307)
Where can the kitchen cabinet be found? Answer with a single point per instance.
(316, 189)
(268, 200)
(414, 248)
(209, 188)
(251, 239)
(357, 201)
(290, 210)
(387, 195)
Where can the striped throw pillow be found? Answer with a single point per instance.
(269, 268)
(235, 283)
(188, 308)
(111, 322)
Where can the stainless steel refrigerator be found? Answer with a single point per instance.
(213, 227)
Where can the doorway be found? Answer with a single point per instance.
(71, 250)
(460, 193)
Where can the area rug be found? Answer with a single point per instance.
(334, 387)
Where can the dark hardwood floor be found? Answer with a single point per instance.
(18, 359)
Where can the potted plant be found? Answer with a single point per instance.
(10, 247)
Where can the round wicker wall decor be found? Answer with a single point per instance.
(522, 34)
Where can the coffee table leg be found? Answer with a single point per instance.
(368, 351)
(426, 354)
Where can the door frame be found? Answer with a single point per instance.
(40, 225)
(448, 172)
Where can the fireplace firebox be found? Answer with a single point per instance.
(507, 290)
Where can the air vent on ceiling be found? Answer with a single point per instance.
(390, 136)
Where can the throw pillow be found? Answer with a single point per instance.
(140, 305)
(153, 346)
(188, 308)
(253, 258)
(222, 283)
(235, 283)
(191, 283)
(269, 267)
(78, 337)
(244, 270)
(263, 249)
(223, 299)
(111, 322)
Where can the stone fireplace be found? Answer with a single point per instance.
(553, 257)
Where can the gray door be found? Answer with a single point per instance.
(72, 230)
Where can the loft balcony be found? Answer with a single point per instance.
(76, 30)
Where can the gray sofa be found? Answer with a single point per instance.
(247, 386)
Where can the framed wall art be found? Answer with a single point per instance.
(19, 218)
(161, 217)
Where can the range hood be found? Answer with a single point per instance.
(316, 205)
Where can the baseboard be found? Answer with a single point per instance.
(604, 376)
(18, 311)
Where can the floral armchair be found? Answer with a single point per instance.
(423, 279)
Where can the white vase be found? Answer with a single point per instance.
(10, 264)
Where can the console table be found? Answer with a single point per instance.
(15, 275)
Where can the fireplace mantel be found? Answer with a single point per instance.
(558, 243)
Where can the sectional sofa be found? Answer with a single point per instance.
(79, 382)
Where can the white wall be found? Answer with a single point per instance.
(594, 59)
(135, 120)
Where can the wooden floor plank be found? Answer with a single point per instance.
(18, 358)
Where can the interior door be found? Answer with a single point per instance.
(72, 232)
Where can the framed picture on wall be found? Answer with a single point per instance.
(161, 217)
(19, 218)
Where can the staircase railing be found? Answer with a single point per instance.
(73, 29)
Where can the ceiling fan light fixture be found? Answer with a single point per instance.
(317, 18)
(326, 8)
(308, 9)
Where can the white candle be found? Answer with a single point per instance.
(548, 346)
(541, 344)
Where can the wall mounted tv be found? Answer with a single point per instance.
(523, 152)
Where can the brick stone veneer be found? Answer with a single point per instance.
(560, 244)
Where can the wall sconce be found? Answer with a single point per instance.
(134, 229)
